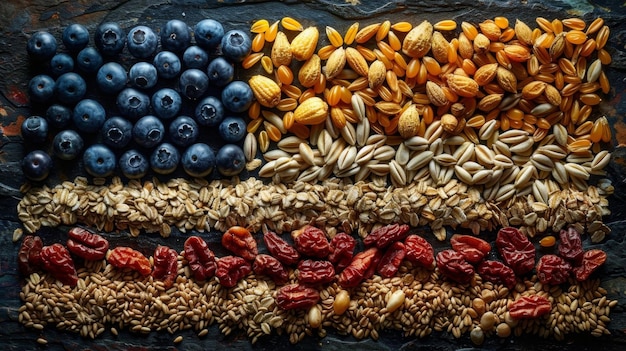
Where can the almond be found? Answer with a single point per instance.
(309, 73)
(435, 94)
(439, 47)
(462, 85)
(485, 74)
(335, 63)
(377, 74)
(417, 41)
(311, 111)
(304, 44)
(265, 90)
(281, 50)
(507, 80)
(356, 61)
(409, 122)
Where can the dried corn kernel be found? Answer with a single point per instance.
(291, 24)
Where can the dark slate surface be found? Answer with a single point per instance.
(19, 19)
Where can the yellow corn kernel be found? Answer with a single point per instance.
(402, 27)
(595, 26)
(334, 37)
(254, 111)
(576, 37)
(300, 130)
(258, 42)
(501, 22)
(253, 125)
(272, 131)
(544, 24)
(251, 60)
(288, 120)
(469, 30)
(284, 74)
(574, 23)
(271, 32)
(348, 39)
(394, 41)
(291, 91)
(383, 30)
(260, 26)
(446, 25)
(325, 52)
(267, 64)
(291, 24)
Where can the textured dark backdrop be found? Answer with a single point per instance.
(20, 18)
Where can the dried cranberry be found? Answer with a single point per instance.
(201, 259)
(571, 246)
(29, 255)
(552, 269)
(165, 265)
(497, 273)
(87, 245)
(472, 248)
(362, 267)
(453, 266)
(231, 269)
(341, 250)
(311, 241)
(386, 235)
(57, 261)
(592, 260)
(516, 250)
(239, 241)
(391, 260)
(271, 267)
(281, 249)
(315, 272)
(419, 251)
(296, 296)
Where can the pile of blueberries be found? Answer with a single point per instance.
(151, 114)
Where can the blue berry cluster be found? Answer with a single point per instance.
(138, 100)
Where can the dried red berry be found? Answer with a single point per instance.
(362, 267)
(552, 269)
(386, 235)
(125, 257)
(592, 260)
(165, 265)
(201, 259)
(239, 241)
(472, 248)
(29, 255)
(516, 250)
(391, 260)
(419, 251)
(571, 246)
(313, 272)
(296, 296)
(497, 273)
(231, 269)
(281, 249)
(86, 244)
(341, 250)
(271, 267)
(532, 306)
(57, 261)
(453, 266)
(311, 241)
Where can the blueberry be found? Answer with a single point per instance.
(166, 103)
(236, 45)
(58, 116)
(36, 165)
(67, 144)
(232, 129)
(41, 46)
(209, 33)
(193, 83)
(167, 64)
(164, 159)
(198, 160)
(142, 42)
(195, 57)
(237, 96)
(99, 160)
(133, 103)
(220, 72)
(183, 131)
(230, 160)
(209, 112)
(117, 132)
(70, 88)
(111, 78)
(143, 75)
(88, 116)
(34, 129)
(61, 63)
(89, 60)
(75, 37)
(133, 164)
(148, 131)
(41, 88)
(175, 36)
(109, 38)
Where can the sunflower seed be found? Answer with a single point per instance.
(290, 144)
(362, 131)
(365, 154)
(487, 130)
(540, 192)
(463, 175)
(324, 141)
(525, 175)
(358, 106)
(384, 153)
(416, 143)
(601, 160)
(419, 160)
(398, 175)
(402, 154)
(346, 158)
(522, 146)
(307, 154)
(576, 171)
(349, 134)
